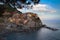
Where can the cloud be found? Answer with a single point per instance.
(43, 8)
(43, 11)
(49, 17)
(38, 8)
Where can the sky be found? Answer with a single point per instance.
(54, 4)
(46, 9)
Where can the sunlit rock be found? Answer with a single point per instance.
(26, 21)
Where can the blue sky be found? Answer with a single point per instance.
(46, 9)
(53, 3)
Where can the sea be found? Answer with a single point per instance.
(42, 34)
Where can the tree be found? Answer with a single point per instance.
(35, 1)
(2, 8)
(23, 1)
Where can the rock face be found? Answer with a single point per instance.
(23, 22)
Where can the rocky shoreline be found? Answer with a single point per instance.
(26, 22)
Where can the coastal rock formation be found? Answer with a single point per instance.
(21, 22)
(24, 22)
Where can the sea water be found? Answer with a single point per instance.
(42, 34)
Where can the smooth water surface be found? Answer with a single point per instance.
(42, 34)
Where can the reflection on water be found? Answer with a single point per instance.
(46, 34)
(42, 34)
(21, 36)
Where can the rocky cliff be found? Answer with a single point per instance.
(22, 22)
